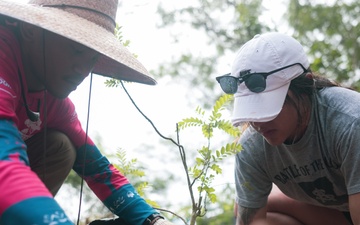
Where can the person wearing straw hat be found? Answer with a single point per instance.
(47, 48)
(300, 162)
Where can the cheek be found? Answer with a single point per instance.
(288, 121)
(58, 62)
(59, 57)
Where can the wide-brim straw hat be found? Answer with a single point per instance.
(88, 22)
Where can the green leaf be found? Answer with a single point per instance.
(190, 122)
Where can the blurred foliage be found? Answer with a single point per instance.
(130, 169)
(329, 31)
(227, 25)
(221, 213)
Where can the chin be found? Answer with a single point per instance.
(60, 95)
(274, 142)
(61, 91)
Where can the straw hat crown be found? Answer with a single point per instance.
(88, 22)
(101, 13)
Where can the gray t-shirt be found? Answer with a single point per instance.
(322, 168)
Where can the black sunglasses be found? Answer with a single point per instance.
(256, 82)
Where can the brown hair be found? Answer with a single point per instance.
(303, 89)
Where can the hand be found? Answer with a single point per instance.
(163, 222)
(108, 222)
(120, 222)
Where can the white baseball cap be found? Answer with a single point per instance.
(265, 53)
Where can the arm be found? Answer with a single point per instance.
(108, 184)
(111, 187)
(252, 185)
(246, 216)
(20, 188)
(354, 207)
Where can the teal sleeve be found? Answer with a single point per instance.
(44, 211)
(129, 205)
(112, 187)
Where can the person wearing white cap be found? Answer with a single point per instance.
(300, 162)
(47, 48)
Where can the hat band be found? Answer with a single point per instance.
(103, 20)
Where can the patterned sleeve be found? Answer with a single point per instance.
(20, 188)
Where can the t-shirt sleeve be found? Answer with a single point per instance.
(252, 182)
(349, 151)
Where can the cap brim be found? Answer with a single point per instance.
(259, 107)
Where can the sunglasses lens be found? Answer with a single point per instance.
(229, 84)
(256, 83)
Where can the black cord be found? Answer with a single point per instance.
(147, 118)
(85, 145)
(45, 106)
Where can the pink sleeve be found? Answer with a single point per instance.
(9, 78)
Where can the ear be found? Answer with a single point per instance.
(29, 32)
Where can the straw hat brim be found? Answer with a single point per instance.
(115, 62)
